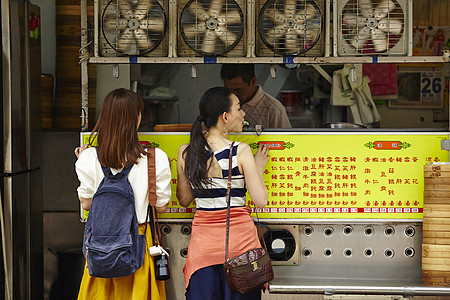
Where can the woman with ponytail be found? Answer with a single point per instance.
(202, 168)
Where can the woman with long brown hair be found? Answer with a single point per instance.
(202, 169)
(116, 134)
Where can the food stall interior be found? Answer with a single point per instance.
(311, 101)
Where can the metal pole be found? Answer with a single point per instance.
(6, 201)
(84, 57)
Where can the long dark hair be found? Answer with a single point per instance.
(116, 129)
(213, 103)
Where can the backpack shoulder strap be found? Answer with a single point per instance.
(107, 170)
(126, 170)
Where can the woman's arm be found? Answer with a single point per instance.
(86, 176)
(184, 190)
(253, 167)
(163, 177)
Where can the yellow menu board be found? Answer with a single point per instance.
(329, 175)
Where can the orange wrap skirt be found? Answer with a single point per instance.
(140, 285)
(207, 244)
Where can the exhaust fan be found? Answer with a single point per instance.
(373, 27)
(290, 28)
(133, 28)
(211, 28)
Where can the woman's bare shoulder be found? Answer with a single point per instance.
(183, 147)
(243, 147)
(181, 151)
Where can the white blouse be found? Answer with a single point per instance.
(90, 174)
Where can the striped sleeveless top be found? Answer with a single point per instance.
(213, 195)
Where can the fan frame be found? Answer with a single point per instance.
(263, 50)
(402, 48)
(238, 49)
(161, 49)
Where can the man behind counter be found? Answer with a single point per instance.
(260, 108)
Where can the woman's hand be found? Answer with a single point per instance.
(161, 209)
(252, 168)
(262, 156)
(78, 150)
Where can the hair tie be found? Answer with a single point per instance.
(200, 118)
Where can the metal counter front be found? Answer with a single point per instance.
(344, 213)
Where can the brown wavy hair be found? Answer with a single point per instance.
(116, 129)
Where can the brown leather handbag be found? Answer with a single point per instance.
(249, 270)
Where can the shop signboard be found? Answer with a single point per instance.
(329, 175)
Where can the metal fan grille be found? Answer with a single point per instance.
(212, 28)
(290, 27)
(372, 27)
(133, 27)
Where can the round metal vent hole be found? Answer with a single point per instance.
(328, 231)
(184, 252)
(327, 252)
(389, 231)
(389, 253)
(347, 230)
(165, 229)
(410, 231)
(307, 252)
(308, 230)
(368, 231)
(185, 230)
(348, 252)
(409, 252)
(368, 252)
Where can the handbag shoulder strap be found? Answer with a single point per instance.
(230, 160)
(152, 198)
(228, 207)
